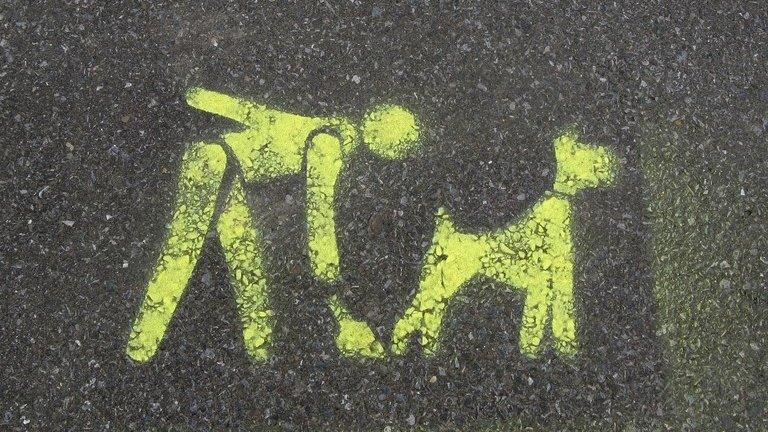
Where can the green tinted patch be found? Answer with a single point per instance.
(706, 243)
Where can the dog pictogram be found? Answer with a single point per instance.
(533, 254)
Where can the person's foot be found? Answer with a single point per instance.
(355, 338)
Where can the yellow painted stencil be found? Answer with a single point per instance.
(533, 254)
(242, 248)
(202, 168)
(323, 167)
(355, 338)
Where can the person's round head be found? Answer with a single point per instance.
(390, 131)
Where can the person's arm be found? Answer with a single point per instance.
(239, 110)
(324, 162)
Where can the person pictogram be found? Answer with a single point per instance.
(273, 143)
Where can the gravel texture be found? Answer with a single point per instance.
(670, 263)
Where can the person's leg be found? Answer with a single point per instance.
(202, 169)
(324, 165)
(535, 316)
(242, 247)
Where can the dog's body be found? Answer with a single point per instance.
(533, 254)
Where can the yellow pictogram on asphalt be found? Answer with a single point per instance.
(533, 254)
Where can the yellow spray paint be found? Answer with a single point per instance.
(323, 167)
(533, 254)
(202, 168)
(242, 248)
(272, 144)
(355, 338)
(390, 131)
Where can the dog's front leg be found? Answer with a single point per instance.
(563, 322)
(424, 315)
(451, 261)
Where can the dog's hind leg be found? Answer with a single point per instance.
(535, 317)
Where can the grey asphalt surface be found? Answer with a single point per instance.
(670, 266)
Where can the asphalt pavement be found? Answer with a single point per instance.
(669, 261)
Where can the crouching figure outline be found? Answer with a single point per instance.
(533, 254)
(272, 144)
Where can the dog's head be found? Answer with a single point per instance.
(581, 166)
